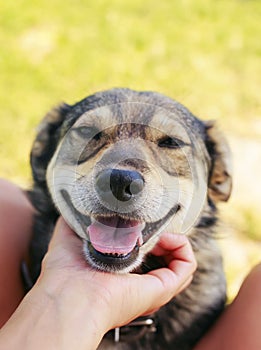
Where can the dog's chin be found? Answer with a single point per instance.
(111, 262)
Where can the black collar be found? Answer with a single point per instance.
(134, 330)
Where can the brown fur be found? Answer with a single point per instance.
(137, 131)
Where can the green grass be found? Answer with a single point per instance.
(204, 53)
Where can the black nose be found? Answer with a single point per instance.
(123, 184)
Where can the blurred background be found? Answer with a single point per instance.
(203, 53)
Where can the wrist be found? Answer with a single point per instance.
(76, 318)
(53, 321)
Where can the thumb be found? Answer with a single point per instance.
(65, 248)
(63, 236)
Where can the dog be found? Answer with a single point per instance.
(121, 166)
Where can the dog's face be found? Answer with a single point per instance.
(129, 166)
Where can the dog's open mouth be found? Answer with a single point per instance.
(113, 242)
(115, 236)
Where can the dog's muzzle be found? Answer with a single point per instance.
(113, 235)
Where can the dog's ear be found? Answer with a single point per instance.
(46, 141)
(220, 175)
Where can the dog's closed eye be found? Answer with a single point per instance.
(88, 132)
(122, 166)
(171, 142)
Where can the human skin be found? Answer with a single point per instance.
(73, 306)
(240, 324)
(237, 328)
(15, 231)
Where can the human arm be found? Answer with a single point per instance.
(16, 214)
(73, 306)
(239, 325)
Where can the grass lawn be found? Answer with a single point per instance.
(204, 53)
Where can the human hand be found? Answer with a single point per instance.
(72, 305)
(119, 298)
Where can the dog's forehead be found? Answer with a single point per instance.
(109, 108)
(143, 115)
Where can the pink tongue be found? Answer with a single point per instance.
(114, 235)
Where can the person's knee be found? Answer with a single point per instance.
(252, 284)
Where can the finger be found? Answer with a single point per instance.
(169, 242)
(179, 273)
(168, 298)
(184, 261)
(63, 235)
(160, 286)
(163, 301)
(65, 248)
(185, 284)
(178, 253)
